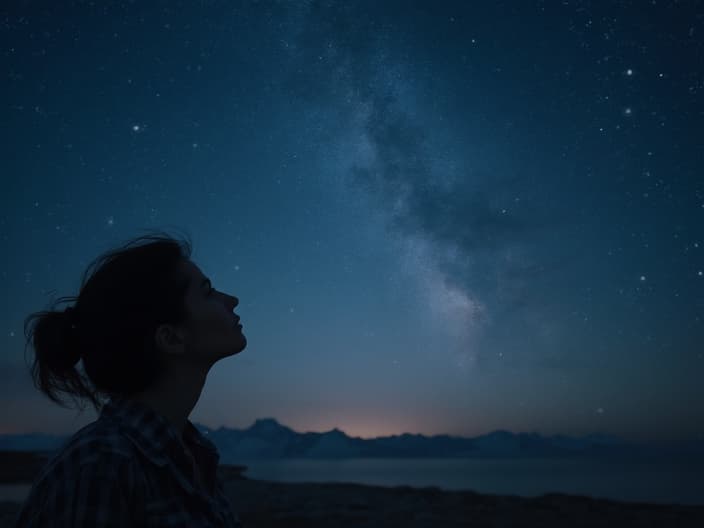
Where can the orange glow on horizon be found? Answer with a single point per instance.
(363, 427)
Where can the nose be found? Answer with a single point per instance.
(232, 301)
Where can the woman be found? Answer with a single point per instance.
(147, 326)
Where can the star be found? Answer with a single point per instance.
(136, 128)
(642, 277)
(629, 72)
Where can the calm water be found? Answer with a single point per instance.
(656, 481)
(14, 492)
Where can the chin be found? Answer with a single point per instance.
(242, 345)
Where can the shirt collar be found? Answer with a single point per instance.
(152, 433)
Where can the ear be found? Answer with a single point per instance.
(169, 340)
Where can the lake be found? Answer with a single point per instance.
(652, 481)
(14, 492)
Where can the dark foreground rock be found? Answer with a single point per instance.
(274, 504)
(20, 466)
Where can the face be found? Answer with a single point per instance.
(211, 332)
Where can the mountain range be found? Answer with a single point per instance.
(268, 439)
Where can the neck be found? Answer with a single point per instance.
(175, 394)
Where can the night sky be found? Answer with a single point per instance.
(439, 217)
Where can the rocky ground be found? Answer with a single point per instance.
(263, 504)
(273, 504)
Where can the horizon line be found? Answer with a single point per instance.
(616, 436)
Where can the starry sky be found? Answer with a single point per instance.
(439, 217)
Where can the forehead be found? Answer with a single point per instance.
(194, 274)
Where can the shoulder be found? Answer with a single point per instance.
(96, 465)
(99, 445)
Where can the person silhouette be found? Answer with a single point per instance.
(147, 326)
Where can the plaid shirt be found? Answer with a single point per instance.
(130, 468)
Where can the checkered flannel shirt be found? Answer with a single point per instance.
(130, 468)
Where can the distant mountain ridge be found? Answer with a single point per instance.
(268, 439)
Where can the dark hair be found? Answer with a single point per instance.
(111, 327)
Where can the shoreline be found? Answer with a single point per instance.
(269, 504)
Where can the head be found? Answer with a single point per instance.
(141, 309)
(211, 329)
